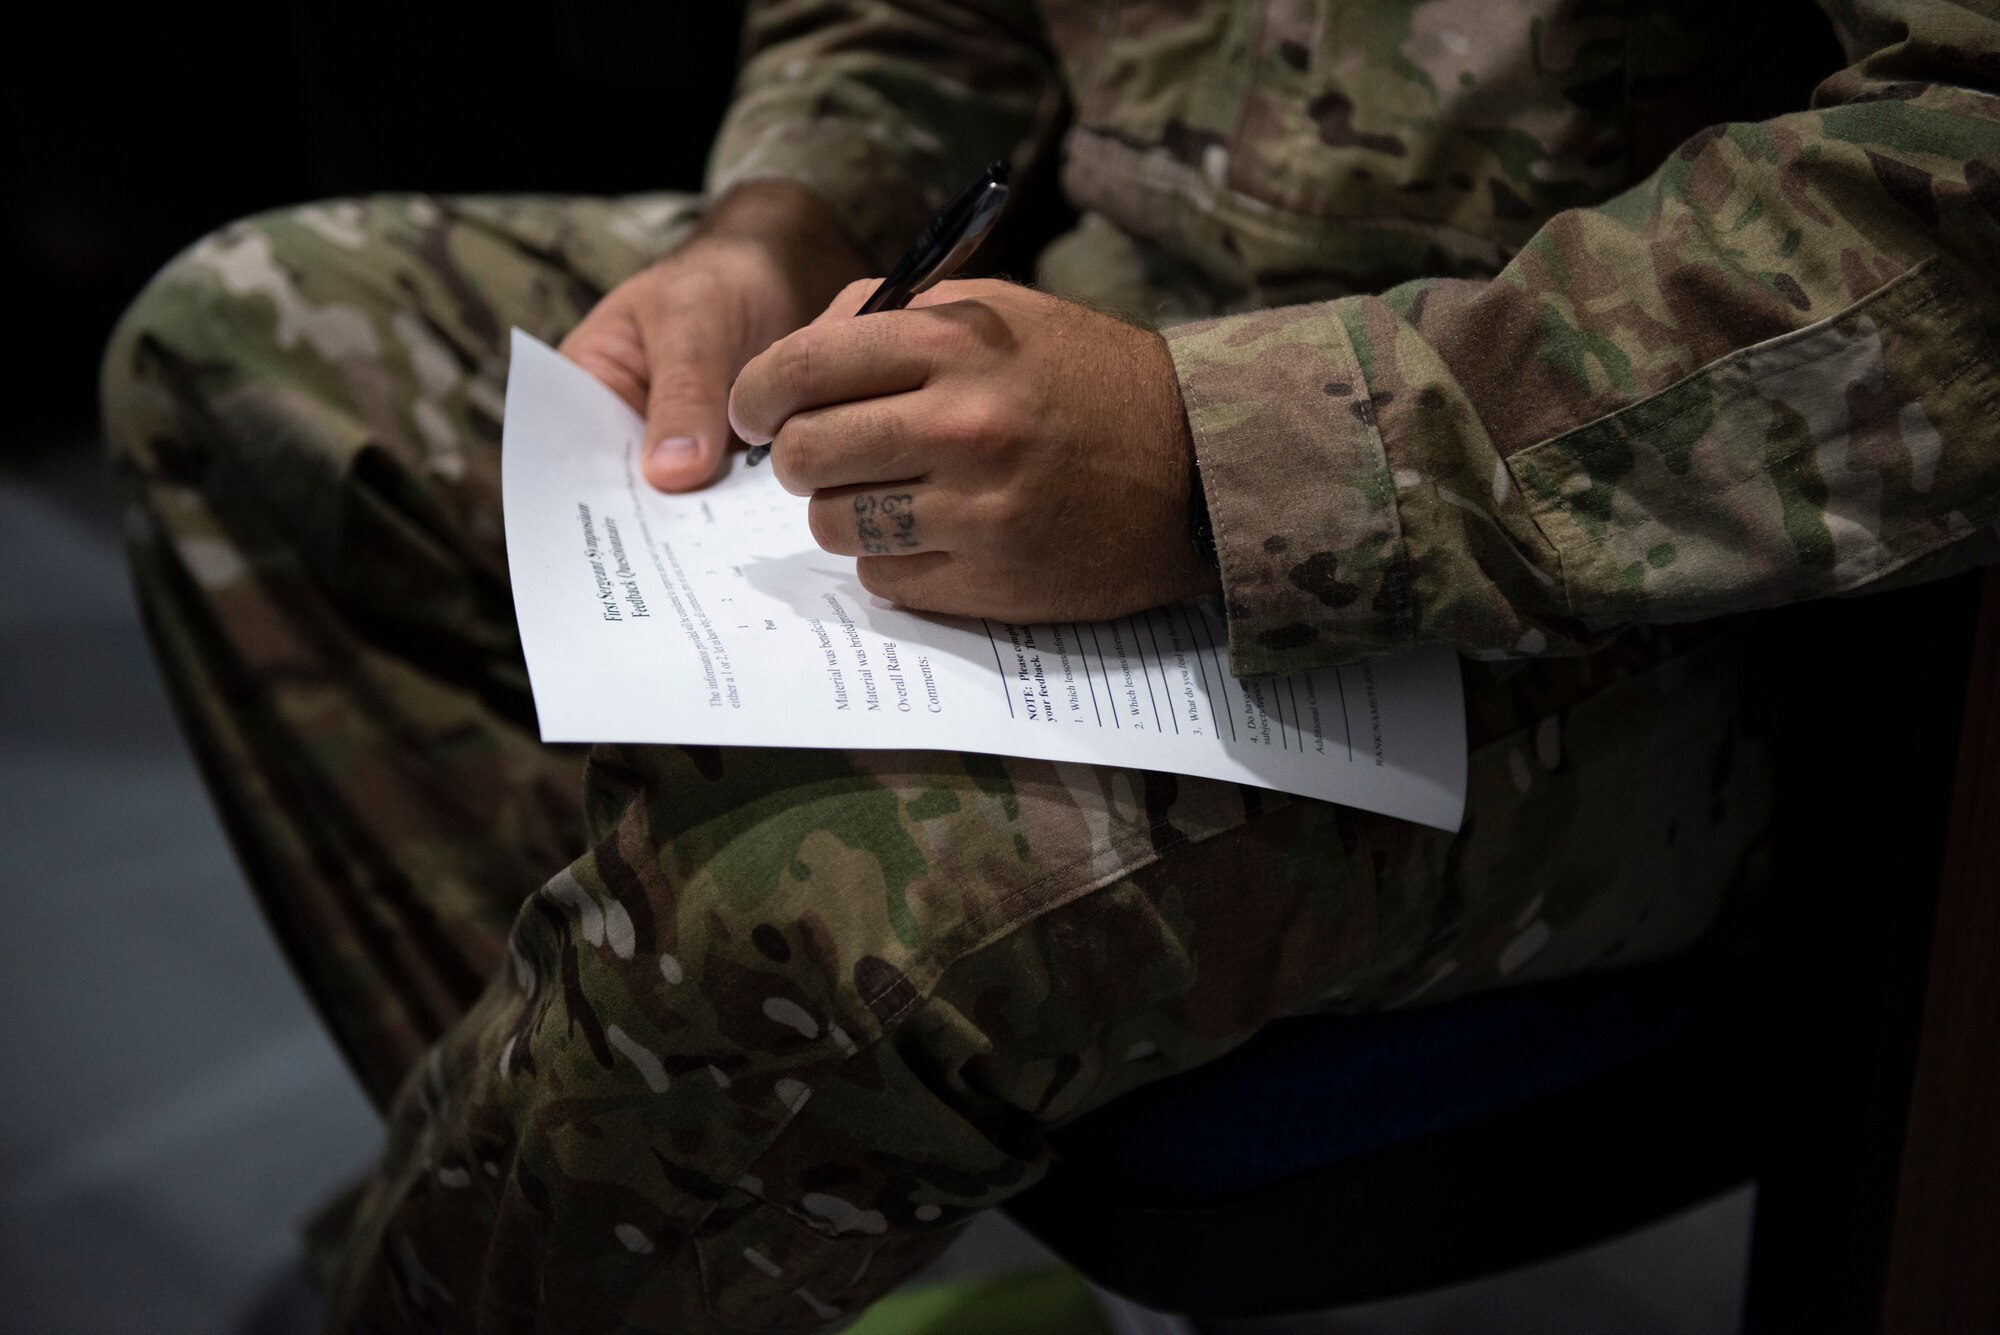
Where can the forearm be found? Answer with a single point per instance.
(1766, 373)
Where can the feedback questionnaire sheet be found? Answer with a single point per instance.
(712, 617)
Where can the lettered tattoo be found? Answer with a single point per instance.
(887, 524)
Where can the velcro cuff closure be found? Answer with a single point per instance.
(1314, 569)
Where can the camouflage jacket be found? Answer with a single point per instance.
(1499, 323)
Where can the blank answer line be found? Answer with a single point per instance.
(1006, 691)
(1345, 726)
(1116, 725)
(1207, 695)
(1222, 677)
(1083, 657)
(1154, 635)
(1140, 654)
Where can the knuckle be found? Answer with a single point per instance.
(680, 277)
(983, 423)
(685, 297)
(964, 329)
(957, 433)
(879, 575)
(1004, 513)
(977, 322)
(824, 520)
(791, 459)
(676, 381)
(796, 364)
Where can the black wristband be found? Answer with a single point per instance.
(1200, 531)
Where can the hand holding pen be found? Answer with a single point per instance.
(984, 449)
(940, 250)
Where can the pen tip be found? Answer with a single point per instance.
(999, 170)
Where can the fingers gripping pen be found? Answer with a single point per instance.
(946, 242)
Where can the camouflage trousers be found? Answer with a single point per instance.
(678, 1038)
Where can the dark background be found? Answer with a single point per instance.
(134, 130)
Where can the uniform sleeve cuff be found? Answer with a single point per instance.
(1314, 568)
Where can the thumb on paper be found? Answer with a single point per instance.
(687, 421)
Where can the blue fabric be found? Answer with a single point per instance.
(1314, 1090)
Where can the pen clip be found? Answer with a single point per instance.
(945, 242)
(985, 212)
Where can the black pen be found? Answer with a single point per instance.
(946, 242)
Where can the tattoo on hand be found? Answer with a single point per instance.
(887, 524)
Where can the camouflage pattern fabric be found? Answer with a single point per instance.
(682, 1039)
(1512, 340)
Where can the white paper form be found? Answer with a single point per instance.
(713, 617)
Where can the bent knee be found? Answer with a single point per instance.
(304, 296)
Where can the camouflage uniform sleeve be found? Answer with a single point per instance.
(885, 108)
(1766, 373)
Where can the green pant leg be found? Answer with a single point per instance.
(799, 1015)
(304, 412)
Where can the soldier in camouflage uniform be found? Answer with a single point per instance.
(1470, 354)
